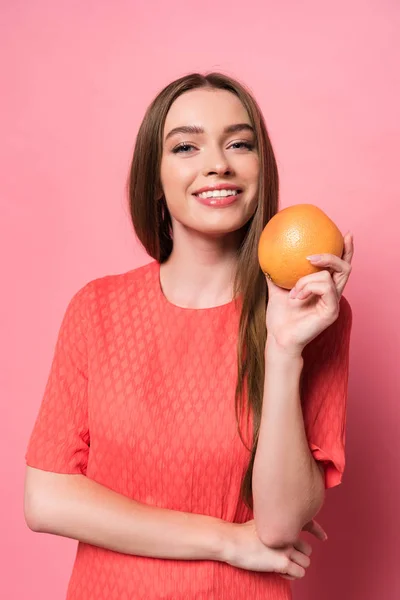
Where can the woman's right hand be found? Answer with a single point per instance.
(245, 550)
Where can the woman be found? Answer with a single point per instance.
(181, 447)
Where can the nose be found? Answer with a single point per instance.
(216, 163)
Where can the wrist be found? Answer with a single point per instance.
(277, 351)
(225, 541)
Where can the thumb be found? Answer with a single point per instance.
(275, 290)
(315, 529)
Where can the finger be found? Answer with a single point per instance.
(348, 249)
(316, 530)
(324, 281)
(275, 290)
(337, 263)
(288, 577)
(326, 291)
(288, 567)
(323, 276)
(300, 559)
(338, 271)
(303, 546)
(294, 570)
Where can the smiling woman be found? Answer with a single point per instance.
(209, 141)
(211, 195)
(156, 407)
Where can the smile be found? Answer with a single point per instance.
(218, 199)
(218, 194)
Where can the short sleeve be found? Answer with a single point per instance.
(324, 388)
(59, 441)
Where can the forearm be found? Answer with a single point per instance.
(288, 488)
(77, 507)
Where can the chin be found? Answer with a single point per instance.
(217, 229)
(216, 223)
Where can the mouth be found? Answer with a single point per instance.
(220, 197)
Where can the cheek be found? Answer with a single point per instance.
(176, 175)
(253, 169)
(247, 170)
(250, 175)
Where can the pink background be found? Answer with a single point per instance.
(76, 80)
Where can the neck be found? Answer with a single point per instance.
(200, 271)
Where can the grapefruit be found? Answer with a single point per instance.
(290, 236)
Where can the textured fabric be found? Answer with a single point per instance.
(140, 398)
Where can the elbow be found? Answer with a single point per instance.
(33, 505)
(279, 538)
(31, 514)
(286, 533)
(278, 533)
(32, 524)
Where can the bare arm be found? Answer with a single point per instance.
(77, 507)
(288, 485)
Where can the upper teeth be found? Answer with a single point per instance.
(218, 193)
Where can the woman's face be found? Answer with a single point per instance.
(213, 146)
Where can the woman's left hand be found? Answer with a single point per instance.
(296, 317)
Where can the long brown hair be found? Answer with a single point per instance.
(153, 226)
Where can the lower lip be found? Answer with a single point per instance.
(218, 202)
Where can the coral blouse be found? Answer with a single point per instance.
(140, 398)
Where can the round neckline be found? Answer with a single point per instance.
(170, 304)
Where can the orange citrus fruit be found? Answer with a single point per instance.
(290, 236)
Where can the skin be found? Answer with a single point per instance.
(294, 318)
(198, 274)
(288, 484)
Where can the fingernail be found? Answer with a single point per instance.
(292, 293)
(314, 257)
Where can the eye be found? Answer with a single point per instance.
(183, 148)
(247, 145)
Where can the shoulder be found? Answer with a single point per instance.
(114, 290)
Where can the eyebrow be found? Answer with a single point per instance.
(196, 130)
